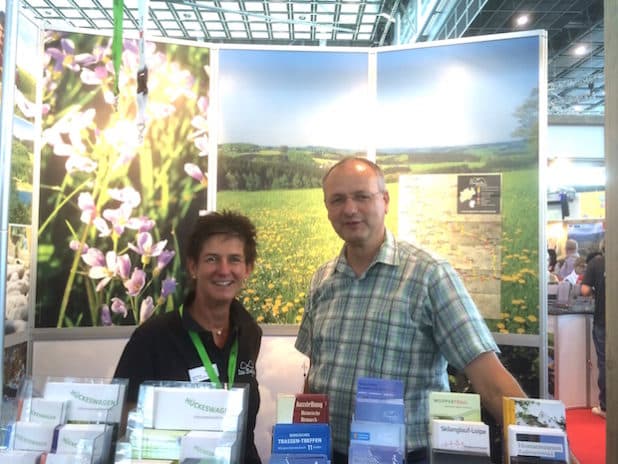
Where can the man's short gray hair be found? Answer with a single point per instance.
(571, 245)
(373, 166)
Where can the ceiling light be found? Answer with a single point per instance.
(522, 20)
(580, 50)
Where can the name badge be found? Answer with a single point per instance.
(199, 374)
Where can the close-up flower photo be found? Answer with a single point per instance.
(115, 189)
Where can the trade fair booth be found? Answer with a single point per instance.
(459, 128)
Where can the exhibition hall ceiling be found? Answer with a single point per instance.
(576, 51)
(574, 29)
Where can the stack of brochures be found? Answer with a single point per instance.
(74, 420)
(188, 422)
(534, 431)
(378, 431)
(301, 434)
(458, 436)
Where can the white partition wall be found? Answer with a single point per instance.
(575, 140)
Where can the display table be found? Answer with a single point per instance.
(574, 357)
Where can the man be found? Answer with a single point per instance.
(594, 282)
(385, 308)
(568, 265)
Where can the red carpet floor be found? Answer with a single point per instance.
(586, 433)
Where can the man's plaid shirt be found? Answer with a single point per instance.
(404, 318)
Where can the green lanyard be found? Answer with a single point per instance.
(210, 370)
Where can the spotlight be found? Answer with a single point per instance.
(522, 20)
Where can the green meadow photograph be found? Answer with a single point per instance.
(271, 167)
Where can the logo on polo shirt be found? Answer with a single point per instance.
(246, 368)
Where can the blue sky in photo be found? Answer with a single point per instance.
(23, 129)
(453, 93)
(295, 98)
(27, 46)
(456, 94)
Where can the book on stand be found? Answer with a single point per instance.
(457, 433)
(455, 406)
(302, 434)
(544, 419)
(301, 438)
(537, 444)
(302, 408)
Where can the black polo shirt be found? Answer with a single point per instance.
(161, 349)
(595, 277)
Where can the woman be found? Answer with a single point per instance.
(220, 255)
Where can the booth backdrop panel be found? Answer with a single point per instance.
(19, 251)
(114, 207)
(470, 110)
(21, 178)
(28, 61)
(285, 117)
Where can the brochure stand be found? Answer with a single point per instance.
(378, 430)
(64, 421)
(459, 442)
(187, 422)
(534, 431)
(458, 436)
(301, 434)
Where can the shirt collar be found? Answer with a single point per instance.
(387, 254)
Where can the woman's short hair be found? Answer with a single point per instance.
(228, 223)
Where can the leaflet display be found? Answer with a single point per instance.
(188, 422)
(65, 420)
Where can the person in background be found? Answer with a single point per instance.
(594, 283)
(220, 255)
(552, 259)
(386, 308)
(579, 268)
(568, 264)
(574, 279)
(552, 278)
(592, 254)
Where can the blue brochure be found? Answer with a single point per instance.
(369, 388)
(301, 438)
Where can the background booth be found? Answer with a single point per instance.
(575, 165)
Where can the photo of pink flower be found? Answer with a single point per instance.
(116, 190)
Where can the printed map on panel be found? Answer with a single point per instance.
(428, 217)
